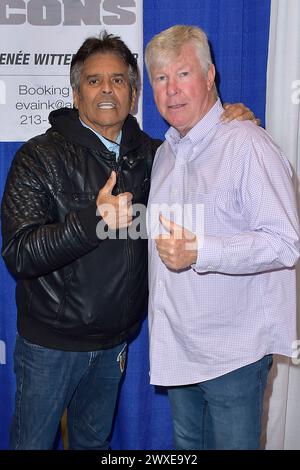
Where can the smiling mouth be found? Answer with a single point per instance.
(176, 106)
(106, 105)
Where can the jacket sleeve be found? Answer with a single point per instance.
(34, 243)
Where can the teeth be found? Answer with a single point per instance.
(106, 105)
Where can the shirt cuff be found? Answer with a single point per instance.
(209, 255)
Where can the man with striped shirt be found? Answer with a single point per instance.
(223, 243)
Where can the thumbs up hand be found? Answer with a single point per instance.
(178, 247)
(110, 184)
(116, 211)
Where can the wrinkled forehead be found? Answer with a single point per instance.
(173, 55)
(105, 59)
(166, 59)
(182, 59)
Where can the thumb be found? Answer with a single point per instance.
(178, 231)
(167, 224)
(110, 183)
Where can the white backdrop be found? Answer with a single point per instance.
(38, 40)
(283, 123)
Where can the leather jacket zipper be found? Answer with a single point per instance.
(121, 189)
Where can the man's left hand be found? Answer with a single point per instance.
(178, 248)
(238, 111)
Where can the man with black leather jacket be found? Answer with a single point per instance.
(80, 293)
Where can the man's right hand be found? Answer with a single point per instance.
(116, 211)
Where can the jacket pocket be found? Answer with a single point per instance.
(73, 201)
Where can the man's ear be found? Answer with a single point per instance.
(211, 74)
(133, 99)
(75, 98)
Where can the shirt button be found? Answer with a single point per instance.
(211, 268)
(174, 191)
(160, 283)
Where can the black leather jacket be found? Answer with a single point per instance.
(74, 291)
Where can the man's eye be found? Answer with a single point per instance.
(160, 78)
(183, 74)
(118, 81)
(93, 81)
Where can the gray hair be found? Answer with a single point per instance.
(168, 43)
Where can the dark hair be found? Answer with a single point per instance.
(105, 43)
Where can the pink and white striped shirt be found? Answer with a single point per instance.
(238, 302)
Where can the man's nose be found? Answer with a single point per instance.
(106, 86)
(172, 88)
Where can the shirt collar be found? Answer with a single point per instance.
(109, 144)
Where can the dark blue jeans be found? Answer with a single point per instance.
(222, 413)
(49, 381)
